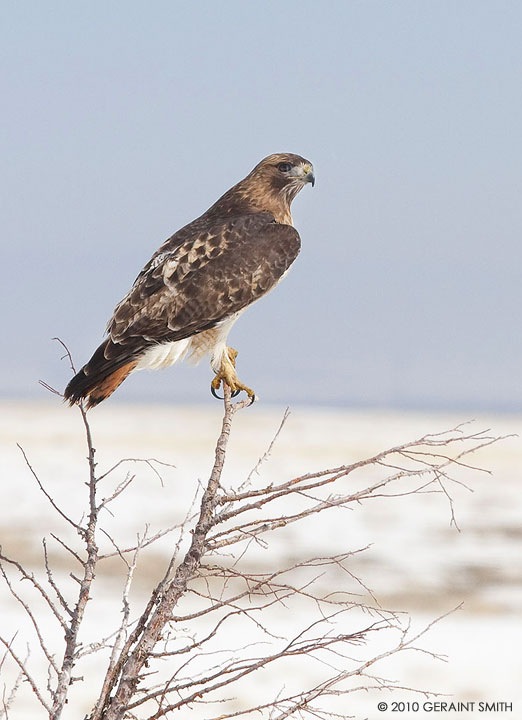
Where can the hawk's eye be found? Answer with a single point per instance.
(284, 167)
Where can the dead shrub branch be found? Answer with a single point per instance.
(208, 623)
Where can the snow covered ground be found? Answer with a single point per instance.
(416, 562)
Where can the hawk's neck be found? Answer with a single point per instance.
(276, 203)
(281, 215)
(244, 199)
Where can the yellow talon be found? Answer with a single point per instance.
(227, 374)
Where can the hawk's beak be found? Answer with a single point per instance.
(304, 172)
(308, 173)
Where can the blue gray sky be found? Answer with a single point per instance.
(122, 121)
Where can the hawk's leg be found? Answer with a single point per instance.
(227, 374)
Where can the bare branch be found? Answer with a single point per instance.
(267, 453)
(23, 669)
(89, 567)
(8, 701)
(36, 585)
(146, 461)
(32, 618)
(47, 495)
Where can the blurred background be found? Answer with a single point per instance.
(123, 121)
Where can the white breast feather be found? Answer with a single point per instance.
(209, 342)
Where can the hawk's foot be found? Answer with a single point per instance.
(232, 354)
(227, 374)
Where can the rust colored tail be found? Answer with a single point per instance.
(105, 371)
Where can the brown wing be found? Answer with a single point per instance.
(201, 276)
(206, 272)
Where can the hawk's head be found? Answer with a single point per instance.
(284, 173)
(274, 183)
(270, 186)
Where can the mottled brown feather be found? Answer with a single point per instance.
(176, 298)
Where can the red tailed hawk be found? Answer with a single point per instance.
(194, 288)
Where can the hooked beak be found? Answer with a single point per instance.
(305, 173)
(308, 173)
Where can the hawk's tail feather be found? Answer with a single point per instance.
(100, 377)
